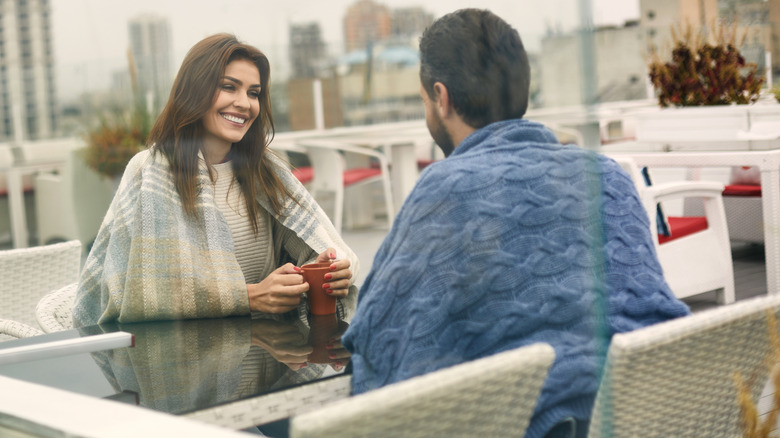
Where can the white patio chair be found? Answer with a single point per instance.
(676, 379)
(30, 273)
(54, 311)
(10, 329)
(333, 176)
(492, 396)
(698, 262)
(72, 204)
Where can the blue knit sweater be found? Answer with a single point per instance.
(513, 239)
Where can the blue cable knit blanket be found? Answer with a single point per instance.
(513, 239)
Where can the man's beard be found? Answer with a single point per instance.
(440, 135)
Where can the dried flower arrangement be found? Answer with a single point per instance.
(752, 425)
(705, 72)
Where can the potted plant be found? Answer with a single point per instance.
(704, 72)
(111, 146)
(118, 138)
(704, 88)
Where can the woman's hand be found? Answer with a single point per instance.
(337, 280)
(283, 341)
(280, 292)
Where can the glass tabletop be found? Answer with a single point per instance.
(185, 366)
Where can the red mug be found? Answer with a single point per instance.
(320, 303)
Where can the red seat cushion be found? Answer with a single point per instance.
(742, 190)
(422, 164)
(683, 226)
(304, 174)
(352, 176)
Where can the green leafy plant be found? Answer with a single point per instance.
(111, 146)
(118, 138)
(705, 72)
(776, 92)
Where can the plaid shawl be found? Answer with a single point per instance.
(151, 261)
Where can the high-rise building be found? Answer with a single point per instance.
(307, 50)
(27, 88)
(620, 69)
(659, 17)
(150, 44)
(410, 22)
(366, 22)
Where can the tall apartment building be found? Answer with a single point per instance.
(366, 21)
(409, 22)
(307, 50)
(150, 44)
(658, 17)
(758, 21)
(27, 86)
(619, 67)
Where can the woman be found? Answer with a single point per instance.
(207, 222)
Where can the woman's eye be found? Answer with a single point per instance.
(254, 95)
(228, 87)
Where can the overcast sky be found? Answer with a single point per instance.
(90, 36)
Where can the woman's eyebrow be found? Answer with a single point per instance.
(237, 81)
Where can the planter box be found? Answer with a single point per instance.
(733, 127)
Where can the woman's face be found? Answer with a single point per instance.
(235, 105)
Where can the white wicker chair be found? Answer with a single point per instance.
(16, 329)
(676, 379)
(30, 273)
(55, 311)
(492, 396)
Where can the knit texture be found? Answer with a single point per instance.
(513, 239)
(255, 253)
(151, 261)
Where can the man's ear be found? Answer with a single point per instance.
(442, 98)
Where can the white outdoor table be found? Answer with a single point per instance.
(14, 174)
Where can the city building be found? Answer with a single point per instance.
(366, 22)
(150, 45)
(307, 50)
(27, 87)
(657, 18)
(758, 27)
(619, 64)
(409, 23)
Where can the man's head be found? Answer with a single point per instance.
(481, 62)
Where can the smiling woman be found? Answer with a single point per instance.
(234, 109)
(207, 222)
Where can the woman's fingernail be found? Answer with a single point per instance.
(333, 267)
(326, 286)
(328, 276)
(333, 255)
(297, 269)
(329, 291)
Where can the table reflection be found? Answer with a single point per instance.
(184, 366)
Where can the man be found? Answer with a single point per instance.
(510, 240)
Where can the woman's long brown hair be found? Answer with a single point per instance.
(178, 132)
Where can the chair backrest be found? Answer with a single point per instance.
(676, 379)
(492, 396)
(30, 273)
(55, 311)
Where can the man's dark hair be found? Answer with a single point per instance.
(481, 60)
